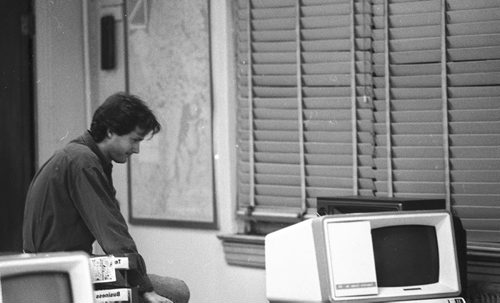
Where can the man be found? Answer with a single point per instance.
(71, 200)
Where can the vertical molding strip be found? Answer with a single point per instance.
(300, 111)
(390, 190)
(126, 67)
(251, 148)
(444, 96)
(86, 63)
(354, 118)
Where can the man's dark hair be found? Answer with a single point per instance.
(121, 113)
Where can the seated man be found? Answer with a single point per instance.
(71, 200)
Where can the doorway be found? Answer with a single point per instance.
(17, 148)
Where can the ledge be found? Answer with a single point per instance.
(243, 250)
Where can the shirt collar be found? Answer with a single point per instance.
(87, 139)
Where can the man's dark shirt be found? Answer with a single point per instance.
(71, 203)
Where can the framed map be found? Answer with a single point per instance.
(169, 66)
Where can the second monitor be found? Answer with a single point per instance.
(360, 204)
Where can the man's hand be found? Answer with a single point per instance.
(153, 297)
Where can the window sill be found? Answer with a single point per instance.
(243, 250)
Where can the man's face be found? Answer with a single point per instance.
(119, 148)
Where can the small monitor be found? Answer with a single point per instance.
(370, 257)
(46, 278)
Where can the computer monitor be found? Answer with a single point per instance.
(46, 278)
(364, 257)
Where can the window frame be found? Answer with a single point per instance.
(244, 237)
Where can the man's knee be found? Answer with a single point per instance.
(171, 288)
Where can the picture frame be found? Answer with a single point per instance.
(168, 50)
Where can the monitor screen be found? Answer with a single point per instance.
(41, 287)
(411, 251)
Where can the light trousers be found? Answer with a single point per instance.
(170, 288)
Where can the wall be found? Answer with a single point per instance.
(59, 74)
(193, 255)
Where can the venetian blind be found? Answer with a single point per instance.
(473, 67)
(410, 152)
(307, 71)
(304, 106)
(437, 88)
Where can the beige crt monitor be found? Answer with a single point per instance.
(370, 257)
(46, 278)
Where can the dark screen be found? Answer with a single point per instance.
(406, 255)
(45, 287)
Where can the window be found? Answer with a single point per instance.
(368, 97)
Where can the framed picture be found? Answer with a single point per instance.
(169, 66)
